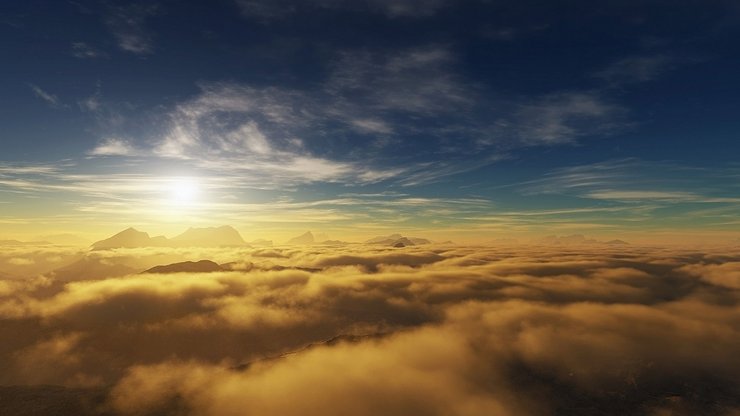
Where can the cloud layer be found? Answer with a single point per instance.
(362, 330)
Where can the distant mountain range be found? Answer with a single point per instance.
(576, 239)
(23, 243)
(309, 238)
(397, 240)
(55, 239)
(224, 236)
(303, 239)
(64, 239)
(393, 240)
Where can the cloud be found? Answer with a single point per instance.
(371, 263)
(114, 147)
(259, 139)
(273, 133)
(49, 98)
(391, 8)
(28, 169)
(643, 195)
(411, 8)
(479, 329)
(85, 51)
(143, 198)
(725, 274)
(91, 103)
(418, 81)
(276, 136)
(126, 23)
(635, 181)
(19, 261)
(374, 108)
(565, 118)
(636, 69)
(484, 354)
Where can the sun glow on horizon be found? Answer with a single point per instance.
(181, 199)
(183, 191)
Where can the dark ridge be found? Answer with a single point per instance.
(202, 266)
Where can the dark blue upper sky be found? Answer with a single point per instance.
(500, 107)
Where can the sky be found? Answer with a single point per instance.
(469, 120)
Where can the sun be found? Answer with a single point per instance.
(183, 191)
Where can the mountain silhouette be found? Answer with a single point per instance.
(397, 240)
(320, 237)
(384, 239)
(577, 239)
(128, 238)
(202, 266)
(23, 243)
(305, 238)
(209, 237)
(224, 236)
(64, 239)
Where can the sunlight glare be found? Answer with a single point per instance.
(183, 191)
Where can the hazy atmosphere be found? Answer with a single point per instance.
(371, 207)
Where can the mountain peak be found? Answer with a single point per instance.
(201, 266)
(209, 237)
(128, 238)
(305, 238)
(397, 240)
(193, 237)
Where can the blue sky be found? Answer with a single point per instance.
(462, 119)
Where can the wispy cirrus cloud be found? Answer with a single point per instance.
(420, 81)
(370, 108)
(278, 135)
(566, 117)
(51, 99)
(255, 132)
(635, 180)
(84, 50)
(114, 147)
(275, 9)
(635, 69)
(145, 198)
(127, 24)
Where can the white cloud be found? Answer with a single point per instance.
(635, 182)
(49, 98)
(372, 126)
(380, 101)
(249, 137)
(247, 131)
(113, 147)
(642, 195)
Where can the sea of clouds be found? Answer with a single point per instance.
(366, 330)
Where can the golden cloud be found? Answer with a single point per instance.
(372, 330)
